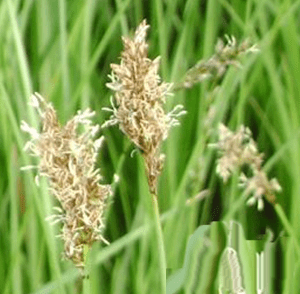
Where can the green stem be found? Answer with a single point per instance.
(236, 205)
(86, 286)
(160, 243)
(281, 214)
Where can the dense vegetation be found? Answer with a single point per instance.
(63, 50)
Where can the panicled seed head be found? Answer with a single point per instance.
(238, 149)
(225, 54)
(139, 96)
(67, 160)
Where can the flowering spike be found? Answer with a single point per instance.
(239, 149)
(68, 159)
(139, 97)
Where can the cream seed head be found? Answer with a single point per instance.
(139, 97)
(67, 160)
(237, 149)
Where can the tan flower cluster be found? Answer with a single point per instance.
(139, 96)
(216, 66)
(239, 149)
(67, 160)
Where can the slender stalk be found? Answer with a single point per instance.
(64, 55)
(236, 205)
(281, 214)
(86, 286)
(160, 243)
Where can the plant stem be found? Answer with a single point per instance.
(160, 243)
(281, 214)
(86, 278)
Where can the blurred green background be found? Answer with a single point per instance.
(63, 50)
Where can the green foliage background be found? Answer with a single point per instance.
(63, 50)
